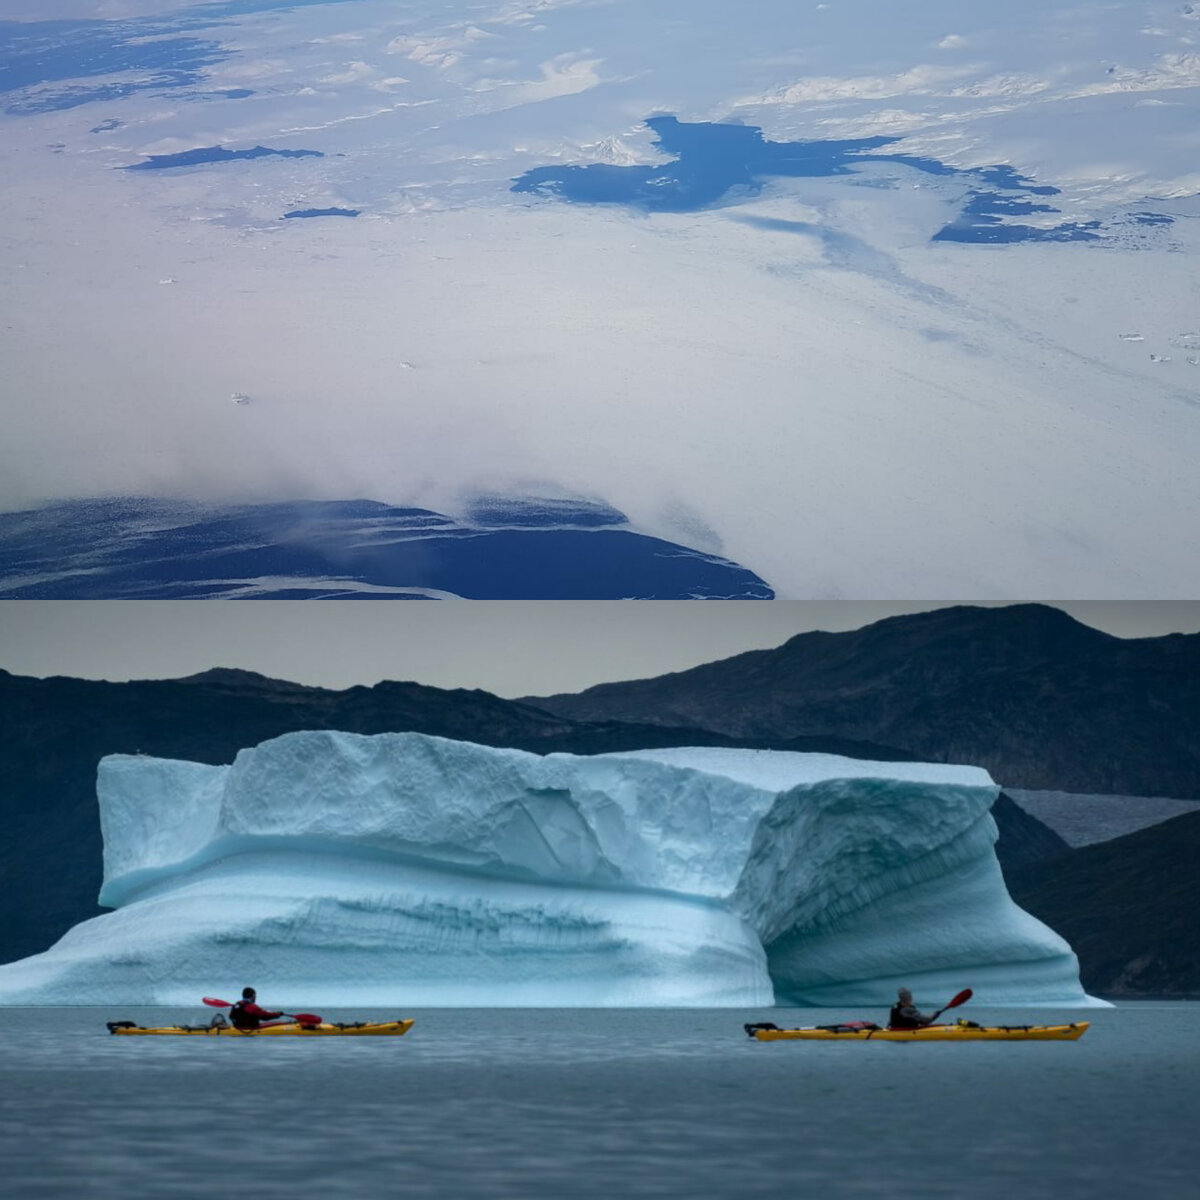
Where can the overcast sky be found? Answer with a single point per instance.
(512, 649)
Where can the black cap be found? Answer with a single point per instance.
(248, 993)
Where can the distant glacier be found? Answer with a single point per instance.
(336, 868)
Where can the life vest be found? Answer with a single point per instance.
(239, 1018)
(897, 1019)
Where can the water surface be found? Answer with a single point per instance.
(714, 163)
(214, 154)
(515, 548)
(321, 212)
(47, 66)
(610, 1103)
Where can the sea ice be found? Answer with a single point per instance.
(884, 340)
(334, 868)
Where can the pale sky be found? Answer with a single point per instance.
(509, 648)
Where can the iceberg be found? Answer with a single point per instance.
(336, 868)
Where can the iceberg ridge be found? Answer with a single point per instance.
(347, 869)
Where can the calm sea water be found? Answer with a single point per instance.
(532, 1103)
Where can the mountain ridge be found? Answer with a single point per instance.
(1041, 700)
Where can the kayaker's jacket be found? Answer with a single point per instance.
(245, 1014)
(905, 1016)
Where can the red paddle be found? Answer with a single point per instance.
(303, 1018)
(961, 998)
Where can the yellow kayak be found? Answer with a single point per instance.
(325, 1029)
(766, 1032)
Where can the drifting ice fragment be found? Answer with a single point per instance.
(405, 868)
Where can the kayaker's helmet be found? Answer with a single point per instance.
(905, 995)
(248, 993)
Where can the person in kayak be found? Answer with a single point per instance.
(246, 1014)
(904, 1015)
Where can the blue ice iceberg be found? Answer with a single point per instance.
(333, 868)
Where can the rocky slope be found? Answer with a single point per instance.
(1039, 699)
(1127, 906)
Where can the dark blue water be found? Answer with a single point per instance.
(981, 220)
(559, 1103)
(214, 154)
(37, 55)
(507, 549)
(727, 164)
(321, 212)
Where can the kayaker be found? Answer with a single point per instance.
(904, 1015)
(246, 1014)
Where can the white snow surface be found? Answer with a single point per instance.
(853, 409)
(401, 868)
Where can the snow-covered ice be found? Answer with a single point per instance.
(342, 869)
(852, 407)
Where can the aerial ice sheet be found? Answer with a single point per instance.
(873, 299)
(405, 869)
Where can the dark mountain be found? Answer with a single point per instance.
(233, 677)
(1024, 840)
(53, 732)
(1026, 691)
(1127, 906)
